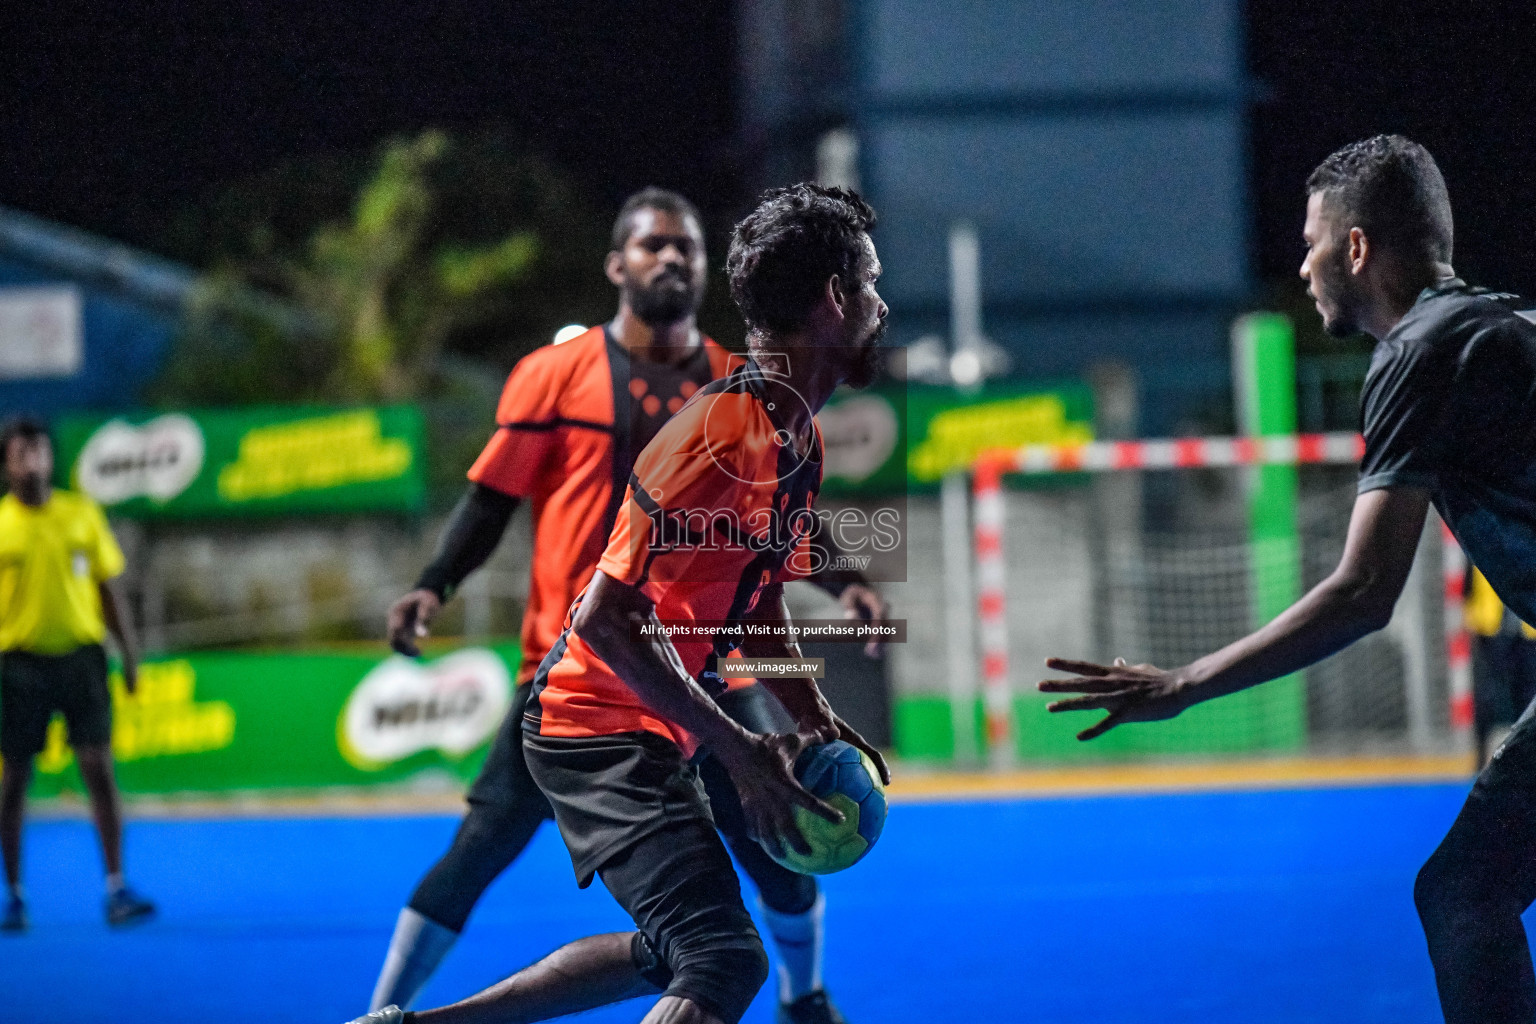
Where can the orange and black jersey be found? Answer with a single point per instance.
(718, 509)
(571, 420)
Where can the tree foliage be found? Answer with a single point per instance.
(342, 279)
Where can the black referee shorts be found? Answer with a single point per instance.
(34, 686)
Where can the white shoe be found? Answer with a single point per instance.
(388, 1015)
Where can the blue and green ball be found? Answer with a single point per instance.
(843, 776)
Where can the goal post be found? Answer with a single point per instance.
(1203, 578)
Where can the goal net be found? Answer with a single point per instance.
(1162, 564)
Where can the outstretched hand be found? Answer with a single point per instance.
(1130, 693)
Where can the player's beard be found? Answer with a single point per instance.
(1339, 288)
(666, 300)
(866, 362)
(1342, 324)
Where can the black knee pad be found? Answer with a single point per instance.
(723, 978)
(679, 886)
(711, 946)
(652, 968)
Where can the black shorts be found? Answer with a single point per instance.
(610, 792)
(34, 686)
(504, 785)
(632, 809)
(504, 796)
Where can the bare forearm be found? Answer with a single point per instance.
(1357, 599)
(653, 669)
(1333, 615)
(801, 697)
(119, 621)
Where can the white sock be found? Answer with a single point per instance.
(114, 884)
(417, 947)
(797, 938)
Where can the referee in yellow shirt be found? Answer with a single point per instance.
(57, 562)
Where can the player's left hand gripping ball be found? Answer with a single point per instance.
(841, 775)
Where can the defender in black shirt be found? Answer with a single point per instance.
(1449, 405)
(1449, 416)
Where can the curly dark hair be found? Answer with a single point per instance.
(1391, 188)
(650, 198)
(783, 252)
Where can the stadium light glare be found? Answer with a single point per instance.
(568, 332)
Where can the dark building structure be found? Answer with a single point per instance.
(85, 323)
(1097, 147)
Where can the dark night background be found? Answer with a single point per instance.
(116, 120)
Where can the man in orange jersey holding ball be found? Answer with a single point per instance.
(719, 513)
(572, 420)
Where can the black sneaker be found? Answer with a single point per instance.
(15, 919)
(812, 1008)
(127, 907)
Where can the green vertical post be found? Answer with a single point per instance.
(1264, 379)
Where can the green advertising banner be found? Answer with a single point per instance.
(889, 440)
(238, 462)
(236, 721)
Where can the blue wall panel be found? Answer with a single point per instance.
(1098, 146)
(968, 47)
(1068, 208)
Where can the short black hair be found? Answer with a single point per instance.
(26, 427)
(783, 253)
(650, 198)
(1391, 188)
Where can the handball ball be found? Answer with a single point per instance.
(843, 776)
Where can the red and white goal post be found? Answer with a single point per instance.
(990, 529)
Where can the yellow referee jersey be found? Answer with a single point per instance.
(1485, 614)
(51, 560)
